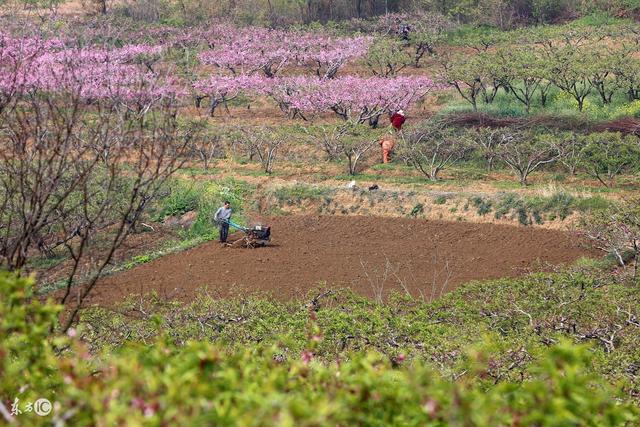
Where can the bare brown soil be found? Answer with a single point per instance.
(371, 255)
(135, 244)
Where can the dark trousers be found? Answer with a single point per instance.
(224, 232)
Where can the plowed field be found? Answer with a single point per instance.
(371, 255)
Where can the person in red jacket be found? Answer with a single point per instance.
(397, 120)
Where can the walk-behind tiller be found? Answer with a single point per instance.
(257, 235)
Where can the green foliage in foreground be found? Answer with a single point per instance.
(201, 382)
(155, 378)
(522, 317)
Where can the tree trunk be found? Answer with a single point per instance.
(434, 174)
(490, 161)
(636, 249)
(523, 178)
(214, 105)
(351, 164)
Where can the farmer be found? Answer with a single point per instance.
(404, 31)
(222, 217)
(397, 120)
(387, 142)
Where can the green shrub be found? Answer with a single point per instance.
(559, 205)
(27, 347)
(528, 210)
(523, 215)
(482, 205)
(607, 155)
(182, 197)
(417, 210)
(204, 384)
(502, 382)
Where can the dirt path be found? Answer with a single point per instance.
(349, 251)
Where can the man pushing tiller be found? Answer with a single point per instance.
(222, 218)
(255, 235)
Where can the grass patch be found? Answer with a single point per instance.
(441, 199)
(299, 192)
(170, 247)
(257, 173)
(559, 104)
(137, 260)
(198, 171)
(594, 203)
(45, 263)
(390, 179)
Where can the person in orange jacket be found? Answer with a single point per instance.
(387, 143)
